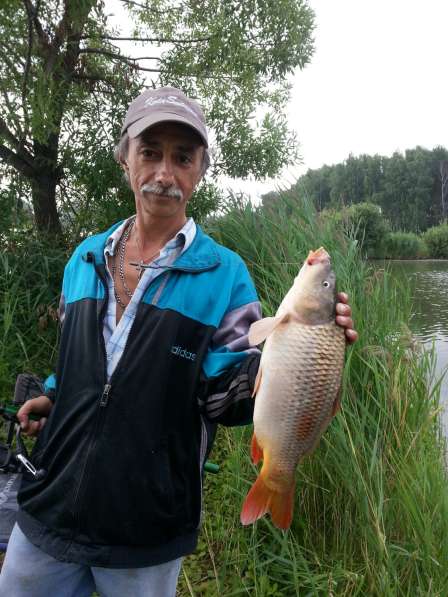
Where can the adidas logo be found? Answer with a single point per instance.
(183, 352)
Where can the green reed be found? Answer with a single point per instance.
(30, 278)
(371, 510)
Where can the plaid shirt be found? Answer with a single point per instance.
(115, 336)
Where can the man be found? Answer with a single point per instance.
(153, 354)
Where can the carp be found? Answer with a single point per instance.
(298, 386)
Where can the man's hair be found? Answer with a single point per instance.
(122, 148)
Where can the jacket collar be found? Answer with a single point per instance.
(201, 255)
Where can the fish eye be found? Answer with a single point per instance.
(325, 284)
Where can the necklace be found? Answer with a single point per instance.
(121, 252)
(140, 265)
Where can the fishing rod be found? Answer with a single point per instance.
(9, 411)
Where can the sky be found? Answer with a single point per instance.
(377, 83)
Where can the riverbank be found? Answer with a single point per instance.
(371, 506)
(428, 286)
(371, 511)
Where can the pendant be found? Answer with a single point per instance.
(140, 267)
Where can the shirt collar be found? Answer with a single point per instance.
(185, 236)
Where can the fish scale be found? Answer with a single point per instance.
(311, 359)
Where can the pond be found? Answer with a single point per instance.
(428, 280)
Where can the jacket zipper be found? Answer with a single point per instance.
(103, 400)
(105, 396)
(107, 385)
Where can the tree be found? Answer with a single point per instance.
(66, 84)
(410, 188)
(367, 224)
(443, 169)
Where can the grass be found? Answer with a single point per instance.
(371, 512)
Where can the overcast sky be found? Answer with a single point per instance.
(377, 83)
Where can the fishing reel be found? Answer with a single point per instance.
(16, 459)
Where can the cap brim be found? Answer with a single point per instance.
(138, 127)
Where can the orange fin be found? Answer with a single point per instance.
(282, 507)
(257, 382)
(261, 499)
(261, 329)
(255, 451)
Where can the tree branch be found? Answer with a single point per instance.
(94, 78)
(27, 65)
(11, 158)
(145, 58)
(129, 61)
(32, 13)
(147, 7)
(165, 40)
(22, 153)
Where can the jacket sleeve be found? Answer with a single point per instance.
(231, 364)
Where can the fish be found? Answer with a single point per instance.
(297, 389)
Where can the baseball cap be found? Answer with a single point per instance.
(166, 104)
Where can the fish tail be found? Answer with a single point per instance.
(282, 507)
(262, 499)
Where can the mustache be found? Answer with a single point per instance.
(158, 189)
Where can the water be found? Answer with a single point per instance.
(429, 323)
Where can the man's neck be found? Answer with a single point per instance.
(157, 231)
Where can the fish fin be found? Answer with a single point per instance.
(255, 451)
(257, 382)
(261, 329)
(256, 503)
(282, 507)
(261, 499)
(337, 402)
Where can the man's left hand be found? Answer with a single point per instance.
(344, 317)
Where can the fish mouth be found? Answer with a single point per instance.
(318, 256)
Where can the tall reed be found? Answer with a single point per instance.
(371, 512)
(30, 278)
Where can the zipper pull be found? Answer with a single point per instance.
(105, 395)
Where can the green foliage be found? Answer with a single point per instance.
(66, 85)
(404, 245)
(371, 507)
(371, 511)
(206, 199)
(406, 186)
(366, 223)
(15, 210)
(436, 239)
(30, 278)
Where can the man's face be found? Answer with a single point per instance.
(167, 160)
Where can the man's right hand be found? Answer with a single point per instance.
(42, 406)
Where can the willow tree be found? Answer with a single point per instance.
(66, 80)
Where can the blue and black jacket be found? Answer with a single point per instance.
(123, 459)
